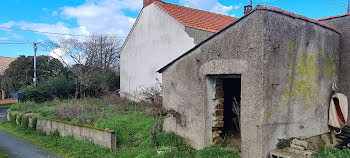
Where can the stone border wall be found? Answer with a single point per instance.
(103, 137)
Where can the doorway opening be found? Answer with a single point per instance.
(232, 108)
(227, 109)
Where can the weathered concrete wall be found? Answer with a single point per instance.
(286, 76)
(198, 35)
(343, 25)
(156, 39)
(237, 50)
(301, 63)
(101, 137)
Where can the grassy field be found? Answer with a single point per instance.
(5, 105)
(132, 122)
(333, 153)
(3, 154)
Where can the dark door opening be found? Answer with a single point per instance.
(232, 99)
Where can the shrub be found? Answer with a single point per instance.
(284, 143)
(12, 116)
(25, 121)
(60, 87)
(34, 121)
(19, 119)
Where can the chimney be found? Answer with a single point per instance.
(148, 2)
(247, 9)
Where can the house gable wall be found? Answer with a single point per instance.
(156, 39)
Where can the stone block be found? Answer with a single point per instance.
(218, 112)
(219, 118)
(297, 147)
(280, 153)
(219, 106)
(219, 93)
(40, 124)
(215, 134)
(47, 126)
(30, 122)
(85, 134)
(54, 126)
(76, 132)
(60, 128)
(306, 153)
(218, 124)
(17, 119)
(68, 129)
(299, 143)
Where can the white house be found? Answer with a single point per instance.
(161, 33)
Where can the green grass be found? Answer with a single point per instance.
(5, 105)
(3, 154)
(132, 122)
(168, 145)
(333, 153)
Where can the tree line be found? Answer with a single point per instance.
(88, 68)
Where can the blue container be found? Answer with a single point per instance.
(18, 95)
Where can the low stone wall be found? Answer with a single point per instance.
(103, 137)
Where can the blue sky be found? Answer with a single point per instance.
(115, 16)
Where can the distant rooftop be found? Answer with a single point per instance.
(4, 63)
(332, 17)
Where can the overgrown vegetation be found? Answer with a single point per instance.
(329, 152)
(284, 143)
(84, 69)
(133, 123)
(3, 154)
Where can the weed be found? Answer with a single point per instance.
(284, 143)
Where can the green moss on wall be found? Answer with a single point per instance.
(304, 72)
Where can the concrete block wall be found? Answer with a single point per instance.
(101, 137)
(105, 138)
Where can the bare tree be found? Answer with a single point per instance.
(85, 58)
(337, 4)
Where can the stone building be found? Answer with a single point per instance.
(161, 33)
(277, 65)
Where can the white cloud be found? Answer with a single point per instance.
(221, 9)
(54, 13)
(209, 5)
(105, 16)
(59, 54)
(17, 36)
(4, 38)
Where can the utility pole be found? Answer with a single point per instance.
(251, 3)
(35, 49)
(348, 10)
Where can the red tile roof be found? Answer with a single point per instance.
(279, 10)
(195, 18)
(332, 17)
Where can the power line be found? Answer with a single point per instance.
(13, 41)
(16, 43)
(45, 32)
